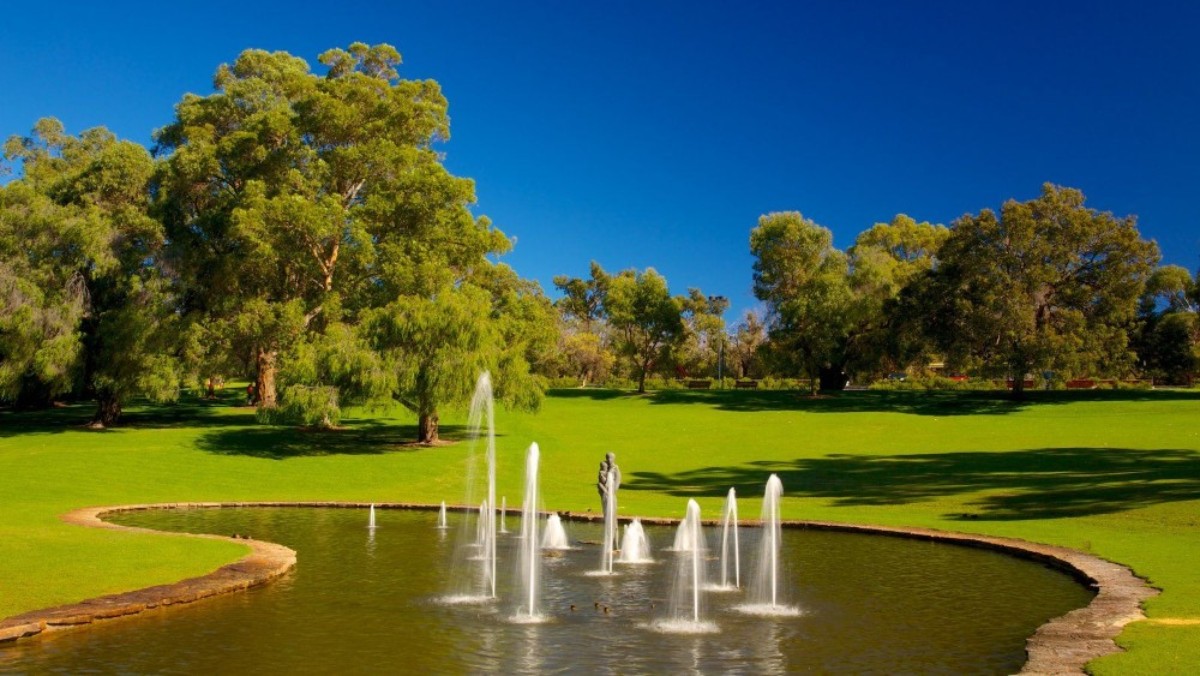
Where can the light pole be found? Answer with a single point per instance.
(717, 305)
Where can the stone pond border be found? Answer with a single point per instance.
(1061, 646)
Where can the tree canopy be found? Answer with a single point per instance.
(83, 297)
(1046, 285)
(803, 280)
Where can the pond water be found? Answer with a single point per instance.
(364, 601)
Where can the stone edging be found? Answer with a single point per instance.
(266, 561)
(1064, 644)
(1061, 646)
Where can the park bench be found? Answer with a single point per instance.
(699, 384)
(747, 385)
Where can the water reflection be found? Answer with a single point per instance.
(530, 660)
(871, 604)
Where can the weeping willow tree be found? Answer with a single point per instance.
(436, 345)
(84, 306)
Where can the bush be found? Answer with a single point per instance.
(312, 406)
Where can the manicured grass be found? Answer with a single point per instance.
(1114, 473)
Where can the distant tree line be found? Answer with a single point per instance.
(1047, 290)
(301, 230)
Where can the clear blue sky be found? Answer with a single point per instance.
(655, 134)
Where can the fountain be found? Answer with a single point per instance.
(385, 591)
(729, 525)
(765, 597)
(483, 411)
(689, 580)
(531, 560)
(504, 514)
(610, 526)
(371, 517)
(481, 531)
(635, 546)
(687, 538)
(555, 536)
(442, 517)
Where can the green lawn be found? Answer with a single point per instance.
(1114, 473)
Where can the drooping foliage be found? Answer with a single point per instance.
(302, 208)
(83, 300)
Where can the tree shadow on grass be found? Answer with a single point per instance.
(1044, 483)
(933, 403)
(593, 393)
(281, 443)
(74, 416)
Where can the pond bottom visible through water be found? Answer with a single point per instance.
(364, 601)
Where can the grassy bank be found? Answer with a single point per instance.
(1114, 473)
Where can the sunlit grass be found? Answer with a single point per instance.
(1116, 473)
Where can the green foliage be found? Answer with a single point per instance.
(313, 223)
(314, 406)
(1047, 285)
(803, 280)
(1054, 469)
(647, 319)
(883, 262)
(745, 350)
(84, 300)
(436, 347)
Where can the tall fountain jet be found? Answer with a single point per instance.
(766, 594)
(371, 517)
(503, 513)
(442, 517)
(729, 526)
(689, 581)
(773, 535)
(610, 525)
(483, 413)
(531, 560)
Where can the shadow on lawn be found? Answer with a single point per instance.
(934, 403)
(189, 412)
(1031, 484)
(279, 442)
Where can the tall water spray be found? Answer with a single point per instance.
(635, 546)
(689, 581)
(773, 534)
(693, 516)
(766, 594)
(503, 513)
(555, 536)
(481, 532)
(483, 414)
(729, 527)
(610, 525)
(371, 517)
(687, 538)
(442, 517)
(531, 561)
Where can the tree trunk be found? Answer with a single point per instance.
(427, 427)
(108, 411)
(264, 382)
(642, 381)
(1018, 388)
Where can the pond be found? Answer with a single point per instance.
(363, 601)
